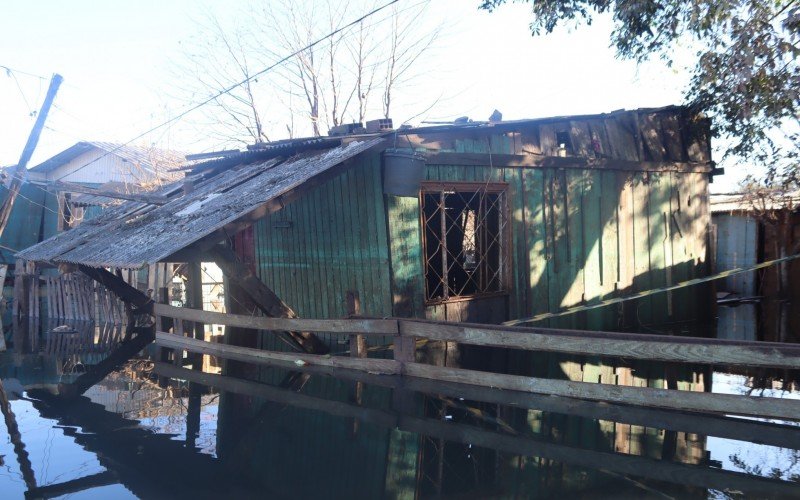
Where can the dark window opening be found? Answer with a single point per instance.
(464, 245)
(563, 143)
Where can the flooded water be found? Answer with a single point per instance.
(157, 430)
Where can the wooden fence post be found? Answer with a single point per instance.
(404, 352)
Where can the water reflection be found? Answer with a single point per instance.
(133, 435)
(163, 430)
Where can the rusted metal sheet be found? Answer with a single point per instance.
(136, 234)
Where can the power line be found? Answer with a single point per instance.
(12, 70)
(236, 85)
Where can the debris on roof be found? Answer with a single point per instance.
(134, 234)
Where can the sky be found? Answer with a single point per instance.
(121, 63)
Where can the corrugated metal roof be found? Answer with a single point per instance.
(739, 202)
(135, 234)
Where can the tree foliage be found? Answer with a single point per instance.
(745, 74)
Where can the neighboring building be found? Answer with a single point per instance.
(95, 163)
(41, 211)
(745, 232)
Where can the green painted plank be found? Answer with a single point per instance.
(358, 208)
(535, 262)
(641, 247)
(609, 206)
(572, 281)
(592, 256)
(658, 210)
(517, 253)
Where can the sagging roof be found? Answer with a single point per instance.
(135, 234)
(154, 159)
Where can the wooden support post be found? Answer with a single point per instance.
(264, 298)
(21, 169)
(193, 412)
(194, 293)
(404, 352)
(358, 349)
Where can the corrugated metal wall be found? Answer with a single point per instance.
(737, 246)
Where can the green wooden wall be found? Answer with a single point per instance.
(330, 241)
(577, 236)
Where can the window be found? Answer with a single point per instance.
(464, 242)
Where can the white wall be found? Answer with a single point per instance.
(93, 167)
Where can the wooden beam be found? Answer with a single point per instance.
(263, 296)
(343, 326)
(292, 361)
(539, 161)
(142, 197)
(633, 346)
(765, 407)
(33, 139)
(121, 289)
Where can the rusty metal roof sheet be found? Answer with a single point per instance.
(134, 234)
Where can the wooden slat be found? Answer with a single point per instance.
(349, 326)
(634, 346)
(286, 360)
(538, 161)
(764, 407)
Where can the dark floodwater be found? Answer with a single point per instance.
(154, 430)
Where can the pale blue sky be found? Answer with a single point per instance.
(118, 61)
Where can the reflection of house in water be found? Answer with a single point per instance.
(452, 447)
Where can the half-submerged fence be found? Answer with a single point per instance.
(406, 332)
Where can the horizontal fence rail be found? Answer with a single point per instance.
(406, 331)
(646, 347)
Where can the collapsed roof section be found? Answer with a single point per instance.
(135, 234)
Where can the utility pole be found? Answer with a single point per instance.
(33, 139)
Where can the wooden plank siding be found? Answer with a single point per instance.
(579, 236)
(326, 243)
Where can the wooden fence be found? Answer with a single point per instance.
(407, 331)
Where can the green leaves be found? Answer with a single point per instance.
(745, 76)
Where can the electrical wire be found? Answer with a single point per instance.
(229, 89)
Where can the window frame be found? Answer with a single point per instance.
(504, 236)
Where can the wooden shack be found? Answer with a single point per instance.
(503, 220)
(511, 219)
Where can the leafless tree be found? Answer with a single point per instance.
(338, 80)
(215, 59)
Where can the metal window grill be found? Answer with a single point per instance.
(463, 239)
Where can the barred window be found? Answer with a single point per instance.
(464, 243)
